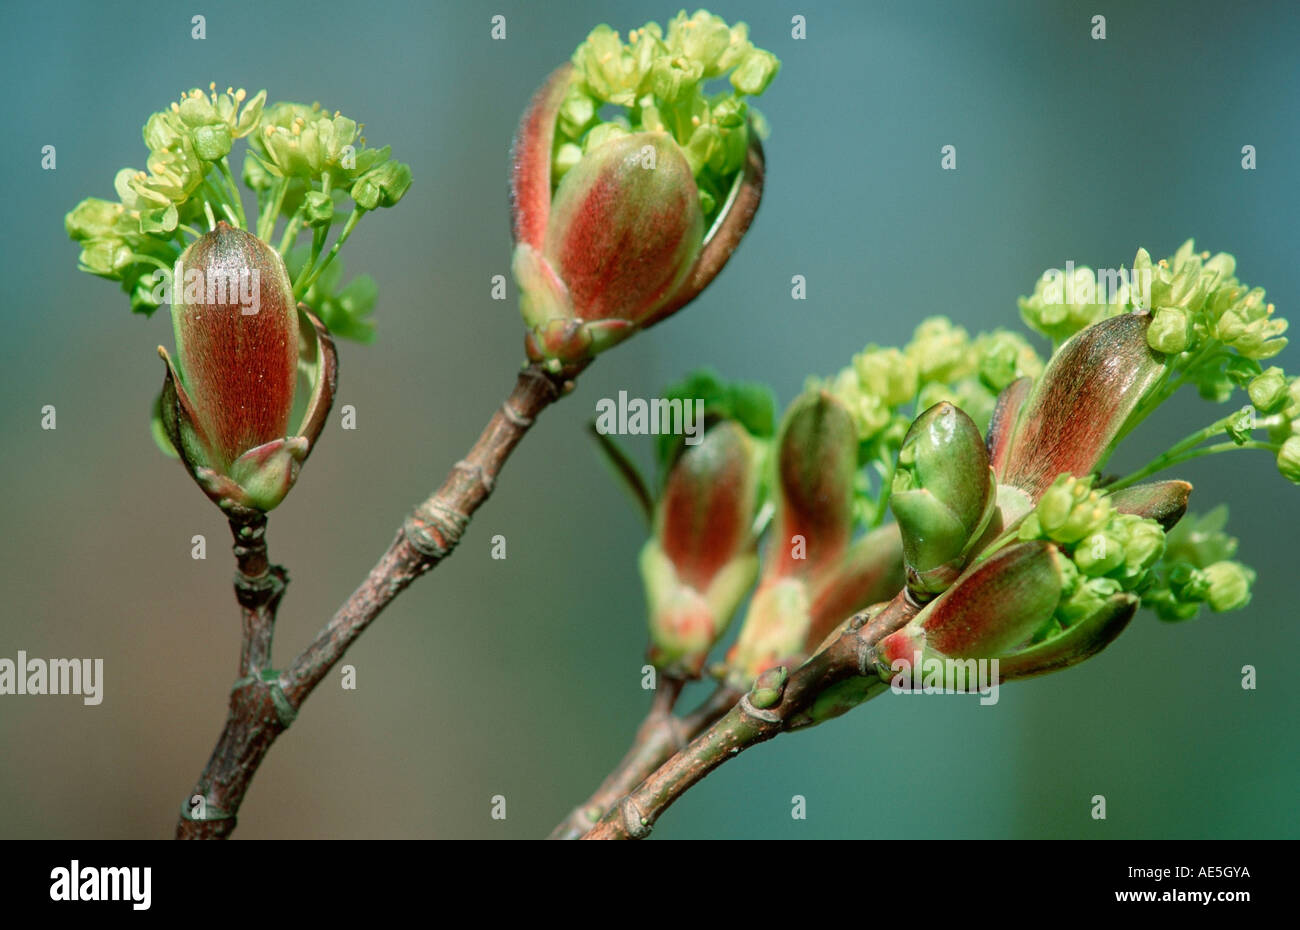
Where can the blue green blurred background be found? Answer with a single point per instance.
(522, 677)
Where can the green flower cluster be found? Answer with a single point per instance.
(1195, 298)
(885, 388)
(300, 162)
(659, 78)
(940, 363)
(1065, 302)
(1106, 552)
(1197, 569)
(308, 146)
(139, 234)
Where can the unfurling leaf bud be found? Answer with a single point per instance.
(703, 557)
(228, 396)
(943, 497)
(621, 242)
(1077, 410)
(1008, 608)
(813, 574)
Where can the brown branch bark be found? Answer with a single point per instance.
(264, 702)
(660, 735)
(746, 725)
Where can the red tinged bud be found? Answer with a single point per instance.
(229, 394)
(814, 575)
(1078, 409)
(703, 557)
(621, 242)
(993, 609)
(1162, 501)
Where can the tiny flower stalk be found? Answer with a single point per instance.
(617, 224)
(703, 557)
(943, 497)
(229, 394)
(814, 574)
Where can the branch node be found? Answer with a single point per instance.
(434, 529)
(767, 716)
(866, 658)
(515, 417)
(285, 712)
(478, 471)
(634, 821)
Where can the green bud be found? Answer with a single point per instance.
(1005, 357)
(382, 186)
(1099, 554)
(1229, 585)
(887, 374)
(755, 71)
(942, 496)
(318, 208)
(1288, 459)
(1063, 304)
(769, 687)
(1069, 510)
(1249, 327)
(1090, 596)
(575, 113)
(1170, 331)
(940, 350)
(1268, 391)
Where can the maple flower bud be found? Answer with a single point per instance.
(1071, 417)
(1229, 585)
(1001, 608)
(814, 574)
(703, 557)
(612, 231)
(1288, 459)
(228, 395)
(943, 496)
(1268, 390)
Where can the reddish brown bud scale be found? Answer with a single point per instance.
(625, 227)
(530, 159)
(707, 508)
(243, 365)
(994, 608)
(227, 401)
(1080, 404)
(816, 464)
(1162, 501)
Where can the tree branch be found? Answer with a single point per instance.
(264, 702)
(660, 735)
(746, 725)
